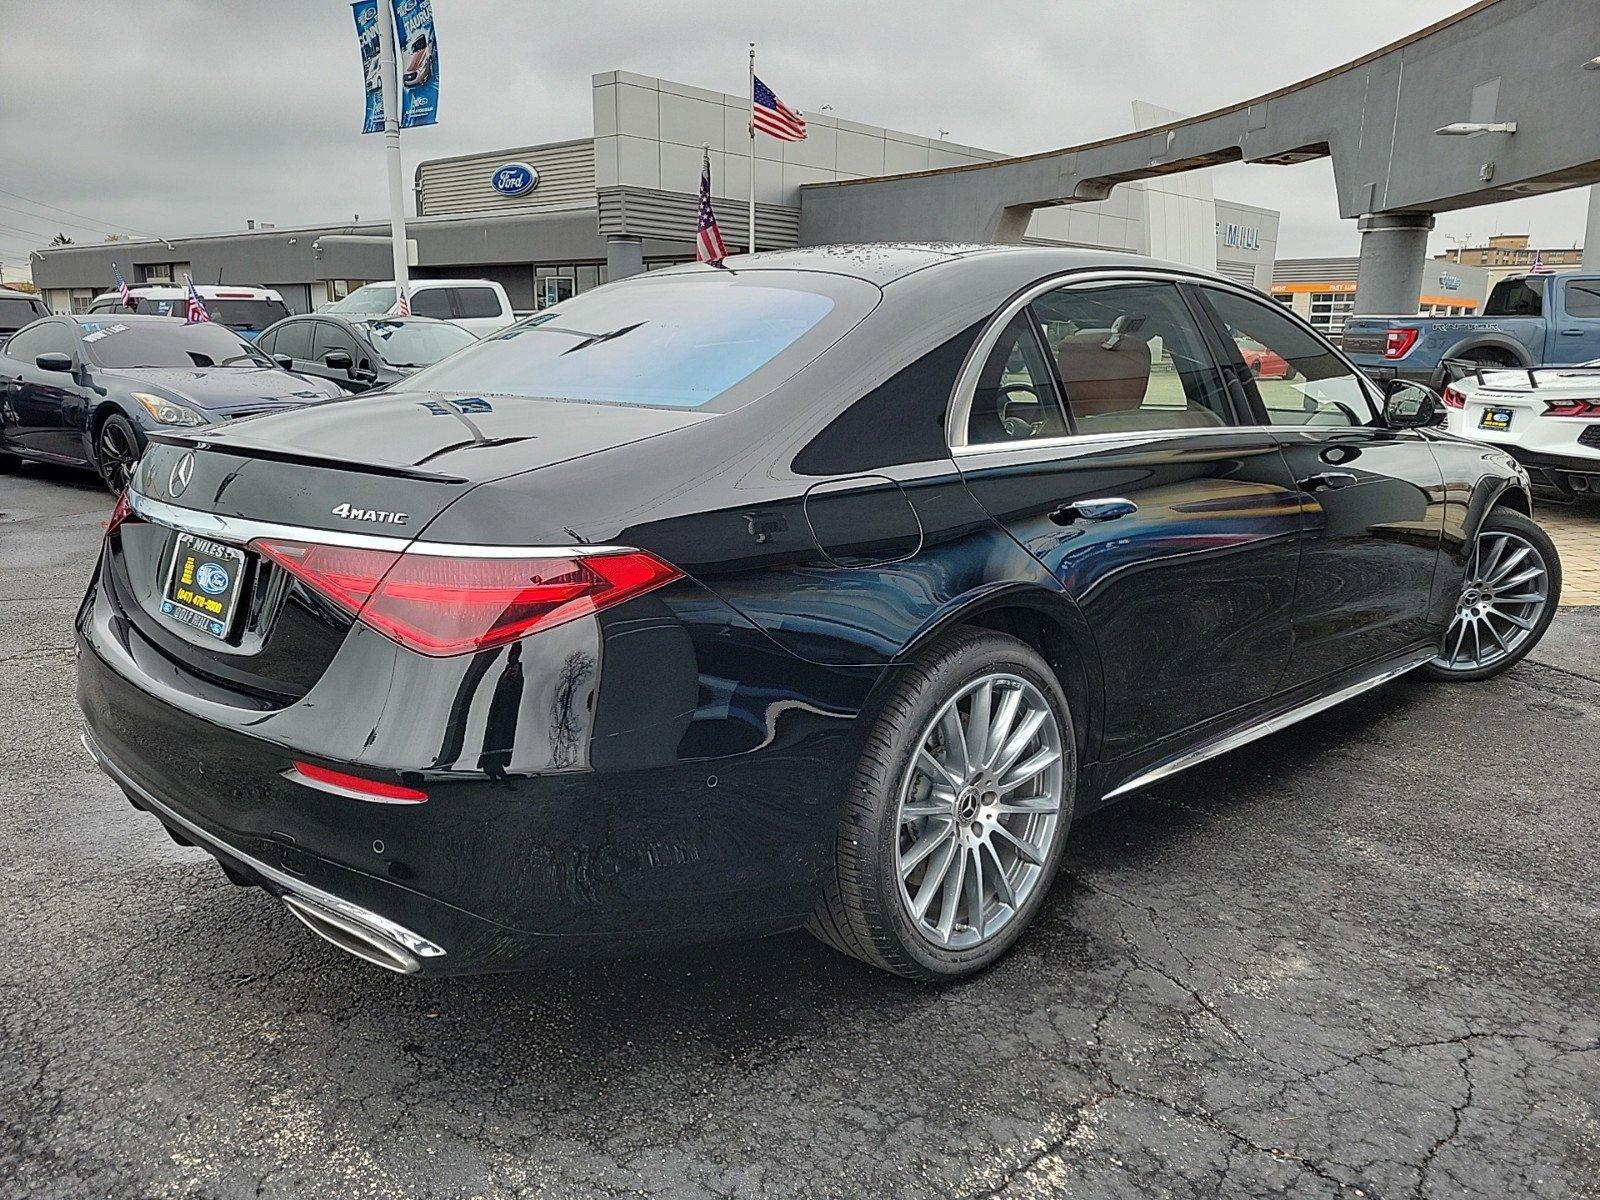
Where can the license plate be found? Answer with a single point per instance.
(203, 584)
(1495, 418)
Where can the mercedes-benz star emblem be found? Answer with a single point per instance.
(182, 471)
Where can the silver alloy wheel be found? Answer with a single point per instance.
(1505, 592)
(978, 811)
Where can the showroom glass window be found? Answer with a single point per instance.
(1131, 356)
(1015, 397)
(1300, 380)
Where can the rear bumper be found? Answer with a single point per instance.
(630, 824)
(1566, 473)
(367, 934)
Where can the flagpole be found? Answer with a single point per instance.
(750, 93)
(391, 146)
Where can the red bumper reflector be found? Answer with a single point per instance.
(353, 786)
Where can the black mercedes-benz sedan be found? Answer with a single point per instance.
(819, 588)
(89, 391)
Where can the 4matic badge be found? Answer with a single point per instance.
(351, 513)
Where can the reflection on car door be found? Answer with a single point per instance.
(1372, 498)
(1175, 531)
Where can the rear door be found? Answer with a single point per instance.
(1577, 337)
(1372, 497)
(1174, 530)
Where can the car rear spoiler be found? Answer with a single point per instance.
(274, 454)
(1456, 369)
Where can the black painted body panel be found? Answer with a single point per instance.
(672, 769)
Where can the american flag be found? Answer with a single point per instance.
(195, 312)
(122, 287)
(1538, 264)
(404, 306)
(771, 115)
(708, 245)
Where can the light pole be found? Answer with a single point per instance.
(391, 149)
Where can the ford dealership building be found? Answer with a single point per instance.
(549, 220)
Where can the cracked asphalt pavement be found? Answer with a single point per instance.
(1358, 959)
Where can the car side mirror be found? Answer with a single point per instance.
(54, 361)
(1410, 405)
(337, 360)
(285, 361)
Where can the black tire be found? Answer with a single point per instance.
(1509, 521)
(117, 447)
(861, 911)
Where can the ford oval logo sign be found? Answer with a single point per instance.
(515, 179)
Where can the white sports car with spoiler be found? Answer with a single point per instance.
(1548, 418)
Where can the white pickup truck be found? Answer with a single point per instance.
(478, 305)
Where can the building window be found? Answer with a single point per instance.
(1329, 311)
(1284, 298)
(555, 282)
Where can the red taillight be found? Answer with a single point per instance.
(443, 604)
(1572, 408)
(1453, 398)
(1399, 342)
(122, 512)
(354, 786)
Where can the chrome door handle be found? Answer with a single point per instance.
(1326, 480)
(1102, 508)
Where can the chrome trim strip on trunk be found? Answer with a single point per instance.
(413, 942)
(1270, 725)
(240, 531)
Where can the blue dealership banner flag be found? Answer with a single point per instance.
(417, 60)
(366, 15)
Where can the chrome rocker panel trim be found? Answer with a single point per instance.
(350, 917)
(1269, 725)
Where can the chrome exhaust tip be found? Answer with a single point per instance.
(353, 937)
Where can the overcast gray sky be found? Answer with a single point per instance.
(186, 116)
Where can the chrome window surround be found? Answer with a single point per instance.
(240, 531)
(960, 408)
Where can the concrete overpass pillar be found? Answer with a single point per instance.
(1591, 237)
(624, 257)
(1394, 249)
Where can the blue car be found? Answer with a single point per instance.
(89, 390)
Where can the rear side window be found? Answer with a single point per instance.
(1515, 298)
(14, 314)
(1015, 397)
(431, 302)
(669, 342)
(1583, 297)
(475, 302)
(1131, 357)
